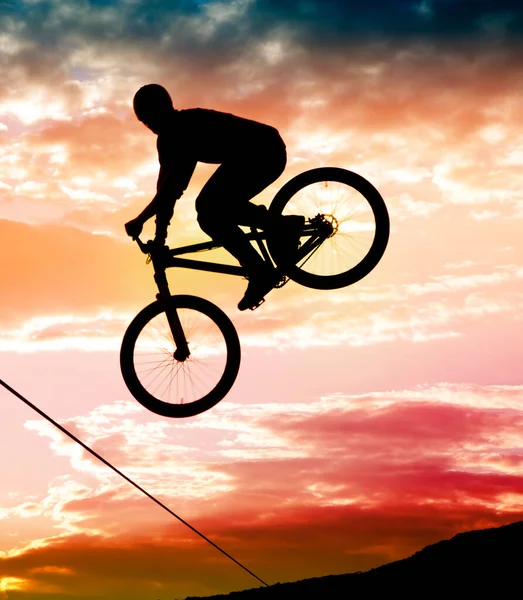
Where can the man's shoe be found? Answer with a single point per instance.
(259, 285)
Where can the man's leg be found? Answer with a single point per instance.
(217, 215)
(224, 203)
(261, 276)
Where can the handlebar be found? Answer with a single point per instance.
(158, 253)
(145, 247)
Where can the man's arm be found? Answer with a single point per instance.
(172, 183)
(162, 204)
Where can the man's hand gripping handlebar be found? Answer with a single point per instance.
(152, 247)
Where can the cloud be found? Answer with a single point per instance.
(85, 314)
(334, 21)
(443, 424)
(67, 276)
(387, 113)
(326, 23)
(51, 268)
(438, 460)
(423, 99)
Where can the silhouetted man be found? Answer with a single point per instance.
(251, 156)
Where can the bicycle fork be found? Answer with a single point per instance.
(182, 351)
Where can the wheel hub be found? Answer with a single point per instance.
(333, 223)
(327, 224)
(181, 354)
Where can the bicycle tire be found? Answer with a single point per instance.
(145, 336)
(287, 200)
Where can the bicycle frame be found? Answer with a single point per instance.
(170, 257)
(181, 354)
(317, 230)
(212, 267)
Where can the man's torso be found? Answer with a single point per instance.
(213, 137)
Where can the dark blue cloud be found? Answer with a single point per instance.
(392, 18)
(314, 24)
(315, 19)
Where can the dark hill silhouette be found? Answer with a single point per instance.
(486, 562)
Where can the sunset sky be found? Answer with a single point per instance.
(366, 422)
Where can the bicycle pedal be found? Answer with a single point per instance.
(257, 305)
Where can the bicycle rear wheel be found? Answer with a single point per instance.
(174, 388)
(346, 227)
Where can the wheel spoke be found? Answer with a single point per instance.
(347, 210)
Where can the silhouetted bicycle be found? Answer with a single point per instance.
(181, 354)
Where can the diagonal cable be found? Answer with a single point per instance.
(117, 471)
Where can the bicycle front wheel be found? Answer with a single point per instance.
(346, 227)
(174, 388)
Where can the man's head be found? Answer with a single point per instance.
(152, 105)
